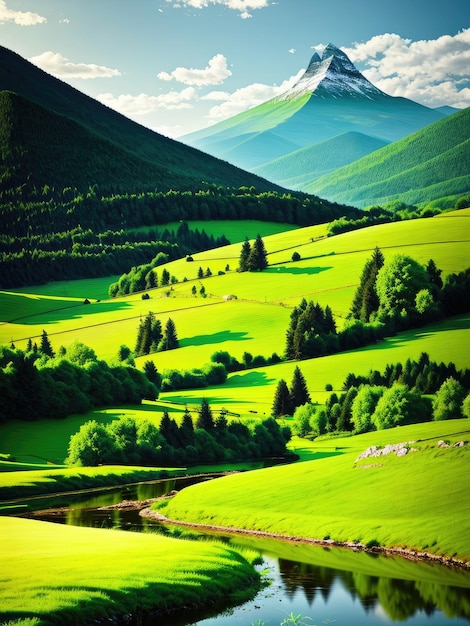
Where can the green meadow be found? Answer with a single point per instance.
(328, 272)
(53, 574)
(255, 322)
(416, 502)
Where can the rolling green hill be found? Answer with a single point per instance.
(299, 168)
(431, 163)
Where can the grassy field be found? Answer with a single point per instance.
(248, 393)
(20, 483)
(54, 574)
(388, 500)
(328, 272)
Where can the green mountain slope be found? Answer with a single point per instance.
(297, 168)
(431, 163)
(179, 167)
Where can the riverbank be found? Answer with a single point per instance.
(415, 505)
(52, 573)
(413, 555)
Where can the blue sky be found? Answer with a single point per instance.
(180, 65)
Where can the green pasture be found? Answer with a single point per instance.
(248, 393)
(328, 272)
(47, 480)
(388, 500)
(53, 574)
(253, 390)
(235, 230)
(47, 441)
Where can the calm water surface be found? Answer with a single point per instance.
(325, 586)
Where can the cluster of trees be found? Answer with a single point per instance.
(152, 338)
(287, 399)
(28, 212)
(311, 332)
(196, 378)
(39, 383)
(402, 293)
(144, 276)
(232, 364)
(397, 396)
(253, 258)
(208, 440)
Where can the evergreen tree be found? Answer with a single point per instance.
(257, 260)
(200, 272)
(45, 346)
(435, 277)
(282, 400)
(169, 340)
(365, 300)
(244, 256)
(169, 430)
(299, 394)
(205, 419)
(186, 430)
(152, 374)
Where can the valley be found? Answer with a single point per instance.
(281, 379)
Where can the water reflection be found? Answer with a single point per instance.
(329, 585)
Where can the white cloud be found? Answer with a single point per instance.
(433, 72)
(143, 104)
(22, 18)
(246, 97)
(243, 6)
(65, 20)
(214, 74)
(292, 50)
(56, 64)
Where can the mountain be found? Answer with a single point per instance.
(122, 143)
(331, 100)
(432, 163)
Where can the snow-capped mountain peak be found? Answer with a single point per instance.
(332, 75)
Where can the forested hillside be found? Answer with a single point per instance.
(431, 163)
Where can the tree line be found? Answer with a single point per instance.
(397, 396)
(208, 440)
(39, 383)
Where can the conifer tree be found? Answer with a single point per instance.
(186, 430)
(257, 260)
(45, 346)
(244, 256)
(205, 419)
(365, 300)
(282, 400)
(299, 394)
(169, 340)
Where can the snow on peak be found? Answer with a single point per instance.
(332, 75)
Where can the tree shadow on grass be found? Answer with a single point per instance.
(214, 338)
(27, 310)
(248, 379)
(285, 269)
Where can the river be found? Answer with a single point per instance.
(315, 585)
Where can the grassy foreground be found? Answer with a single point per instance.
(54, 574)
(417, 502)
(21, 483)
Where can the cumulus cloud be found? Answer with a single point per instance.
(143, 104)
(214, 74)
(22, 18)
(243, 6)
(58, 65)
(246, 97)
(433, 72)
